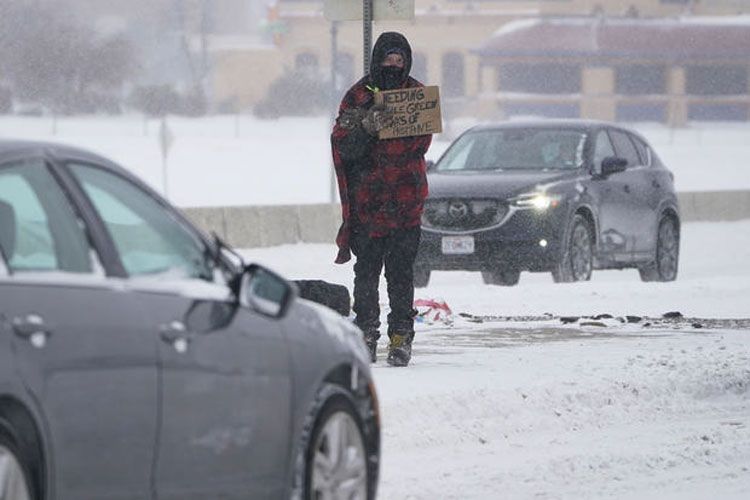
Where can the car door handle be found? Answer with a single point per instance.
(655, 184)
(626, 188)
(175, 334)
(32, 328)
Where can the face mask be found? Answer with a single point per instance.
(391, 76)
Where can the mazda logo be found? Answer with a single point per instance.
(458, 209)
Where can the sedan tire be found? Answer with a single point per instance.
(664, 268)
(14, 477)
(577, 256)
(337, 467)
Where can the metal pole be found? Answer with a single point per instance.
(164, 177)
(367, 33)
(334, 96)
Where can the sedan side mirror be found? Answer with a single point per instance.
(613, 164)
(265, 291)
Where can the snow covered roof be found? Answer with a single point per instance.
(667, 39)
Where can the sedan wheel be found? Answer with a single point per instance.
(664, 268)
(577, 260)
(12, 478)
(339, 464)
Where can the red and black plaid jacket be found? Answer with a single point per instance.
(382, 183)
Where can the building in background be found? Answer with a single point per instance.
(469, 48)
(670, 61)
(625, 69)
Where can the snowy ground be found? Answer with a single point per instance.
(537, 409)
(511, 409)
(225, 160)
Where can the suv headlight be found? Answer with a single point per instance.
(537, 201)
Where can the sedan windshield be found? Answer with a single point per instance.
(516, 149)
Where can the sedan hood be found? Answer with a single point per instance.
(501, 185)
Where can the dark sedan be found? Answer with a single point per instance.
(564, 197)
(141, 359)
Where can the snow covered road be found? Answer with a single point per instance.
(539, 409)
(545, 411)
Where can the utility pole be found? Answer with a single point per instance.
(367, 33)
(334, 98)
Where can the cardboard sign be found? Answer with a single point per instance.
(416, 111)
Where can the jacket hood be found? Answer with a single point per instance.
(387, 42)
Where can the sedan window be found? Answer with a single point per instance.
(149, 240)
(516, 149)
(39, 231)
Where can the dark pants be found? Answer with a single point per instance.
(396, 252)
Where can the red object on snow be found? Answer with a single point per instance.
(433, 310)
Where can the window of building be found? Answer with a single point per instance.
(542, 78)
(640, 79)
(542, 109)
(718, 112)
(453, 79)
(641, 112)
(716, 80)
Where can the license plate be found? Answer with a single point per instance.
(458, 244)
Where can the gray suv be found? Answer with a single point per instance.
(140, 358)
(565, 197)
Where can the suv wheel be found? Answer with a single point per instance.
(337, 457)
(14, 482)
(421, 277)
(506, 277)
(577, 256)
(664, 268)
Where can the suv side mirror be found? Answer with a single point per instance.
(613, 164)
(265, 291)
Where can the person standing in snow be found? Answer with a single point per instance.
(383, 185)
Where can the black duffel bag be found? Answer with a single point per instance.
(329, 294)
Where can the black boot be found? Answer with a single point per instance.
(399, 349)
(371, 340)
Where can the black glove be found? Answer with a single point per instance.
(351, 118)
(376, 118)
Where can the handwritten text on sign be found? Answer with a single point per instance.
(416, 111)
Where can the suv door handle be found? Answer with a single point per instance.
(32, 328)
(175, 334)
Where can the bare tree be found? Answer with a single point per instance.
(56, 63)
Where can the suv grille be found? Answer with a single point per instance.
(462, 214)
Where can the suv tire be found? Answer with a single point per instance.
(577, 255)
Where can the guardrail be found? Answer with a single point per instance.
(264, 226)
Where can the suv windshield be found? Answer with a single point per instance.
(516, 148)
